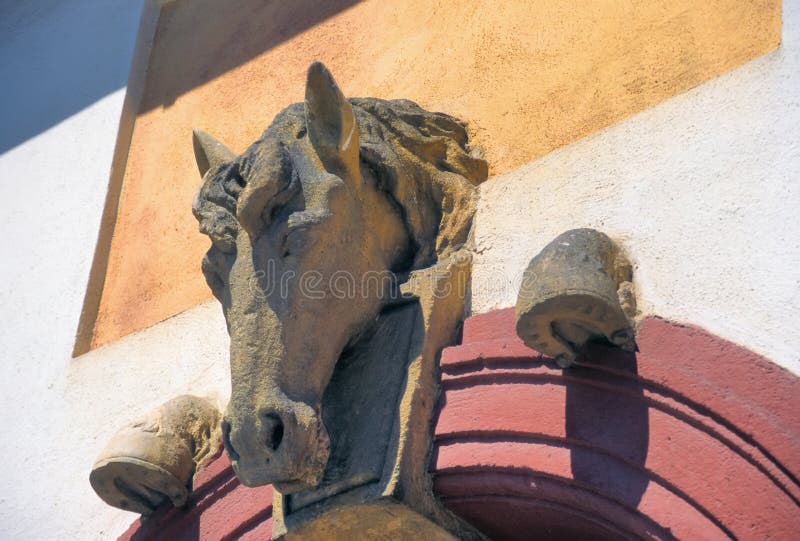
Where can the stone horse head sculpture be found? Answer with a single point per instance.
(334, 191)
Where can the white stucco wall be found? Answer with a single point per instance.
(703, 191)
(56, 412)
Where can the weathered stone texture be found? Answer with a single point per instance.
(578, 288)
(334, 379)
(153, 460)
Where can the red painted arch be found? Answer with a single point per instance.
(692, 437)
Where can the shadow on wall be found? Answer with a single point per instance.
(602, 417)
(57, 58)
(226, 35)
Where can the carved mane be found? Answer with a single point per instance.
(422, 160)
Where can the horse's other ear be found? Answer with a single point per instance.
(208, 152)
(332, 127)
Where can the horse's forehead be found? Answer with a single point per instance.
(302, 171)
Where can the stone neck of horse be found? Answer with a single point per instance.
(370, 384)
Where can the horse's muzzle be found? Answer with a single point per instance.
(287, 446)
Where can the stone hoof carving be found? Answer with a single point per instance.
(153, 460)
(577, 289)
(316, 230)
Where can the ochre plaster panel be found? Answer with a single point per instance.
(529, 77)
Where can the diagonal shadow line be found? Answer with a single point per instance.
(199, 40)
(58, 58)
(234, 32)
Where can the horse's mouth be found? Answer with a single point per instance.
(285, 485)
(290, 487)
(260, 476)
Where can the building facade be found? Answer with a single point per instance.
(673, 129)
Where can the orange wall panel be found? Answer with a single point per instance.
(528, 77)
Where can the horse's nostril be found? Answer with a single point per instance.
(273, 427)
(277, 437)
(226, 441)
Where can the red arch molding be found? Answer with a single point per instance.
(692, 437)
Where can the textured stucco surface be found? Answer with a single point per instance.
(527, 78)
(701, 190)
(52, 192)
(58, 413)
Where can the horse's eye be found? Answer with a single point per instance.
(293, 241)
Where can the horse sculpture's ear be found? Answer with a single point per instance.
(332, 127)
(208, 152)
